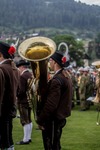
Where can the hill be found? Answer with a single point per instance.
(28, 14)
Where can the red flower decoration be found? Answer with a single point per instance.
(11, 50)
(64, 60)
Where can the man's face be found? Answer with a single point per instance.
(52, 62)
(1, 57)
(20, 69)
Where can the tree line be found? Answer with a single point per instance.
(26, 14)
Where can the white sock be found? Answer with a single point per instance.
(26, 132)
(30, 130)
(10, 148)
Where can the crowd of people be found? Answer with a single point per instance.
(84, 86)
(66, 87)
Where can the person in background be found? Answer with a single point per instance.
(71, 72)
(77, 88)
(83, 89)
(23, 103)
(9, 79)
(57, 105)
(89, 87)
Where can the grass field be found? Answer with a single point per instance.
(80, 133)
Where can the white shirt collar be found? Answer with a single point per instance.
(58, 71)
(24, 71)
(3, 61)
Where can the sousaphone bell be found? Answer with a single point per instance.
(38, 45)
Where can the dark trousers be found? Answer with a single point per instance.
(77, 96)
(6, 132)
(25, 114)
(52, 134)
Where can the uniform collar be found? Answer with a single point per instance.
(5, 60)
(24, 71)
(58, 71)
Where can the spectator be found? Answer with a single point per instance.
(9, 77)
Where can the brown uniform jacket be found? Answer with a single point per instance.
(59, 98)
(9, 84)
(23, 85)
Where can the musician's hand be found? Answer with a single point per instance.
(41, 127)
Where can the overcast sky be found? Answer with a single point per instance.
(97, 2)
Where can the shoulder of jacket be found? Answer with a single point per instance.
(59, 78)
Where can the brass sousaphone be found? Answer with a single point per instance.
(37, 50)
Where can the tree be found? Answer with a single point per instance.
(76, 48)
(97, 48)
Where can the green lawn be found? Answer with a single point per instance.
(80, 133)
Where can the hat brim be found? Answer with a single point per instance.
(22, 64)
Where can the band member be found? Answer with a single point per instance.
(23, 103)
(9, 77)
(57, 105)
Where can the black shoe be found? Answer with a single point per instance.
(30, 140)
(83, 110)
(22, 143)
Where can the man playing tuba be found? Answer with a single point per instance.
(57, 105)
